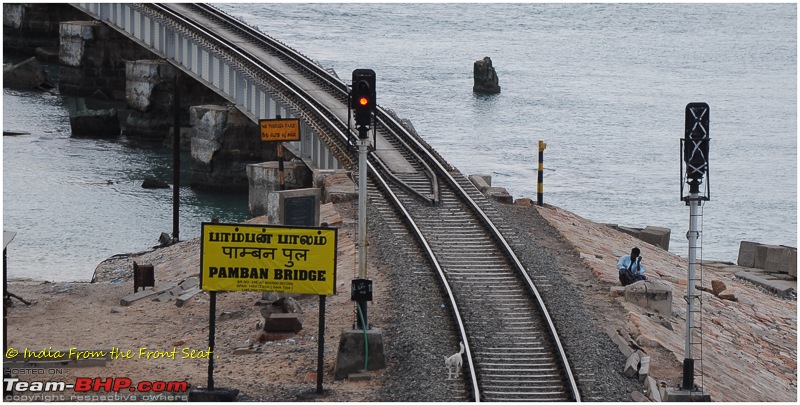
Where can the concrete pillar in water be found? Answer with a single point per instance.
(223, 142)
(149, 88)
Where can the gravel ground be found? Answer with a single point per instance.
(421, 332)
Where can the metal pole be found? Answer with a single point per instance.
(363, 144)
(281, 178)
(176, 163)
(691, 293)
(321, 343)
(540, 186)
(212, 321)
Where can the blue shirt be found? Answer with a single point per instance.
(625, 262)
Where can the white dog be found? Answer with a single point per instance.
(454, 361)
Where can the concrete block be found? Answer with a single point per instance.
(500, 194)
(657, 236)
(761, 255)
(481, 181)
(780, 259)
(652, 295)
(793, 262)
(338, 187)
(632, 364)
(644, 370)
(747, 254)
(350, 357)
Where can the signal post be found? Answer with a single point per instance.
(361, 349)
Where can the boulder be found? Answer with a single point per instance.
(152, 182)
(717, 287)
(485, 78)
(26, 75)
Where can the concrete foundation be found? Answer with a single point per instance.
(264, 180)
(679, 395)
(350, 357)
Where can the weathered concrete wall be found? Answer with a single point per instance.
(224, 141)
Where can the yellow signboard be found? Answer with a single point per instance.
(244, 257)
(283, 130)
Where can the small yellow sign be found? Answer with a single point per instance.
(281, 130)
(245, 257)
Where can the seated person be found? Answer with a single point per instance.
(630, 268)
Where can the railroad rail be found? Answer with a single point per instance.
(513, 352)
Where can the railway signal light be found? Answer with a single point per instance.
(696, 141)
(362, 98)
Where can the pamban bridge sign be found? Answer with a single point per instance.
(238, 257)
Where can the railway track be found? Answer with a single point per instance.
(513, 352)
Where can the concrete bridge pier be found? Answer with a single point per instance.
(149, 92)
(92, 60)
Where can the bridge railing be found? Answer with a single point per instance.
(210, 67)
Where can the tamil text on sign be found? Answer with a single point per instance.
(240, 257)
(281, 130)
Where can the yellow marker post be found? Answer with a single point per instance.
(540, 186)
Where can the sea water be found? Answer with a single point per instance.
(604, 85)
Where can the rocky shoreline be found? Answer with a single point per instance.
(750, 345)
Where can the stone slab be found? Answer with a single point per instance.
(130, 299)
(780, 288)
(186, 296)
(653, 392)
(621, 342)
(284, 323)
(780, 259)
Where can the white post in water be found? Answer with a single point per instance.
(695, 155)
